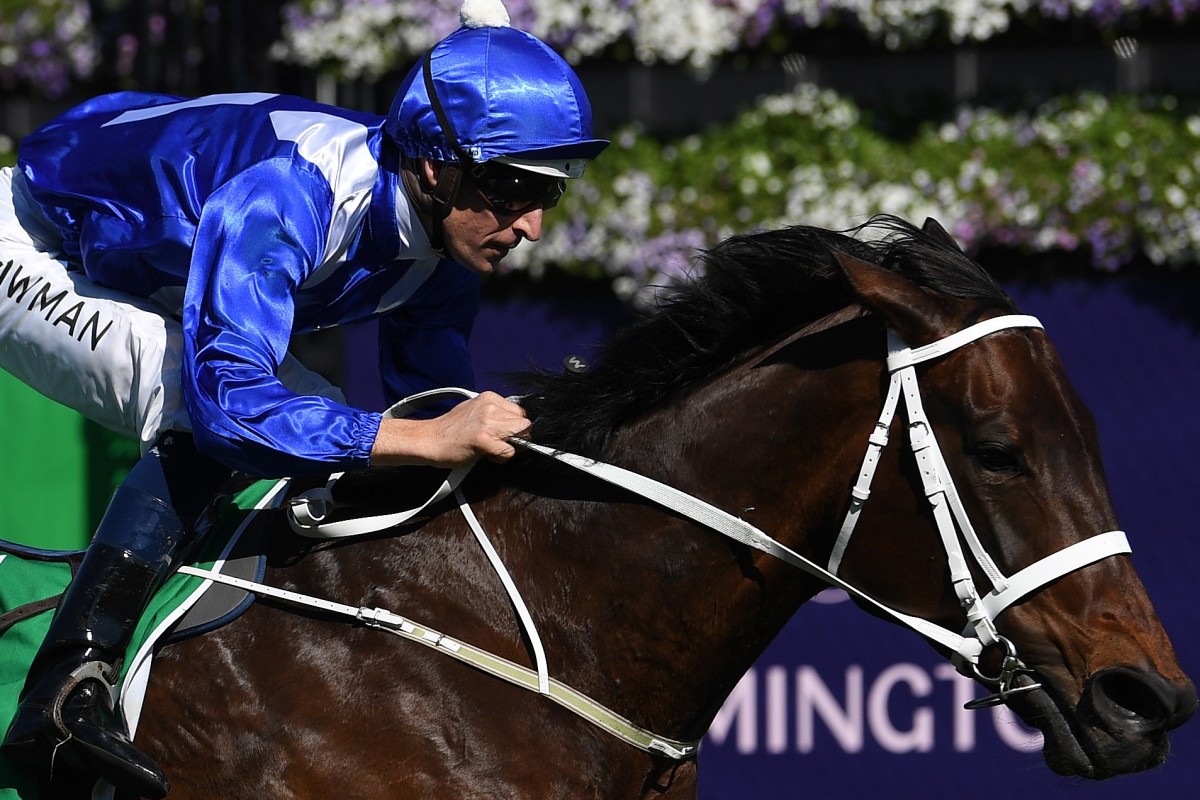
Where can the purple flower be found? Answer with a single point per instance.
(49, 54)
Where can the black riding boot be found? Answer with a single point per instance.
(67, 715)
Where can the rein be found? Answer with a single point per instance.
(308, 511)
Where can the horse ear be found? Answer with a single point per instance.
(909, 311)
(934, 229)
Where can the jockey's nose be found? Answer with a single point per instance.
(529, 224)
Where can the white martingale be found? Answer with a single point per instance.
(308, 511)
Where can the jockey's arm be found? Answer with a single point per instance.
(477, 427)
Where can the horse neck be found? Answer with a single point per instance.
(650, 614)
(674, 612)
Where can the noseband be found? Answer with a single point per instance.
(308, 511)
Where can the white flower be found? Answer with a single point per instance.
(1176, 196)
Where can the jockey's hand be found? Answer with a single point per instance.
(480, 426)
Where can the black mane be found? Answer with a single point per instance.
(755, 290)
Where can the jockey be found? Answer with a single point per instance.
(156, 255)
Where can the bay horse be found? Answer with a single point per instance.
(755, 389)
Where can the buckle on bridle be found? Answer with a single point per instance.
(1011, 667)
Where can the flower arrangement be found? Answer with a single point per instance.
(362, 38)
(368, 38)
(1113, 179)
(45, 45)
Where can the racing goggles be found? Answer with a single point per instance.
(514, 191)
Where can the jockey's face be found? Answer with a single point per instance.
(478, 234)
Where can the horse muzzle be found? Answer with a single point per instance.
(1119, 725)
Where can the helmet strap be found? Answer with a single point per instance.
(445, 193)
(444, 122)
(443, 197)
(431, 202)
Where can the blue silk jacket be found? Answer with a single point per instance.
(253, 217)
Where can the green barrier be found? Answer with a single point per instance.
(58, 470)
(44, 464)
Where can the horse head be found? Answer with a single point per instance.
(758, 389)
(1023, 451)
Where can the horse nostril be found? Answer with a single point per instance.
(1124, 698)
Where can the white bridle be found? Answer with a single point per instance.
(953, 523)
(308, 511)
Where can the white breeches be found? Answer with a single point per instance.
(112, 357)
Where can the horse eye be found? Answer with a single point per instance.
(997, 457)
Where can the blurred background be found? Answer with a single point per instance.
(1058, 140)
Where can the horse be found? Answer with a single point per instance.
(754, 388)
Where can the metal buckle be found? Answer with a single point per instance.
(1011, 667)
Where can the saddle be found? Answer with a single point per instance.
(33, 579)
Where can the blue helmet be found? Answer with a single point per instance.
(495, 93)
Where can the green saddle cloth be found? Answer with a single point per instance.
(31, 579)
